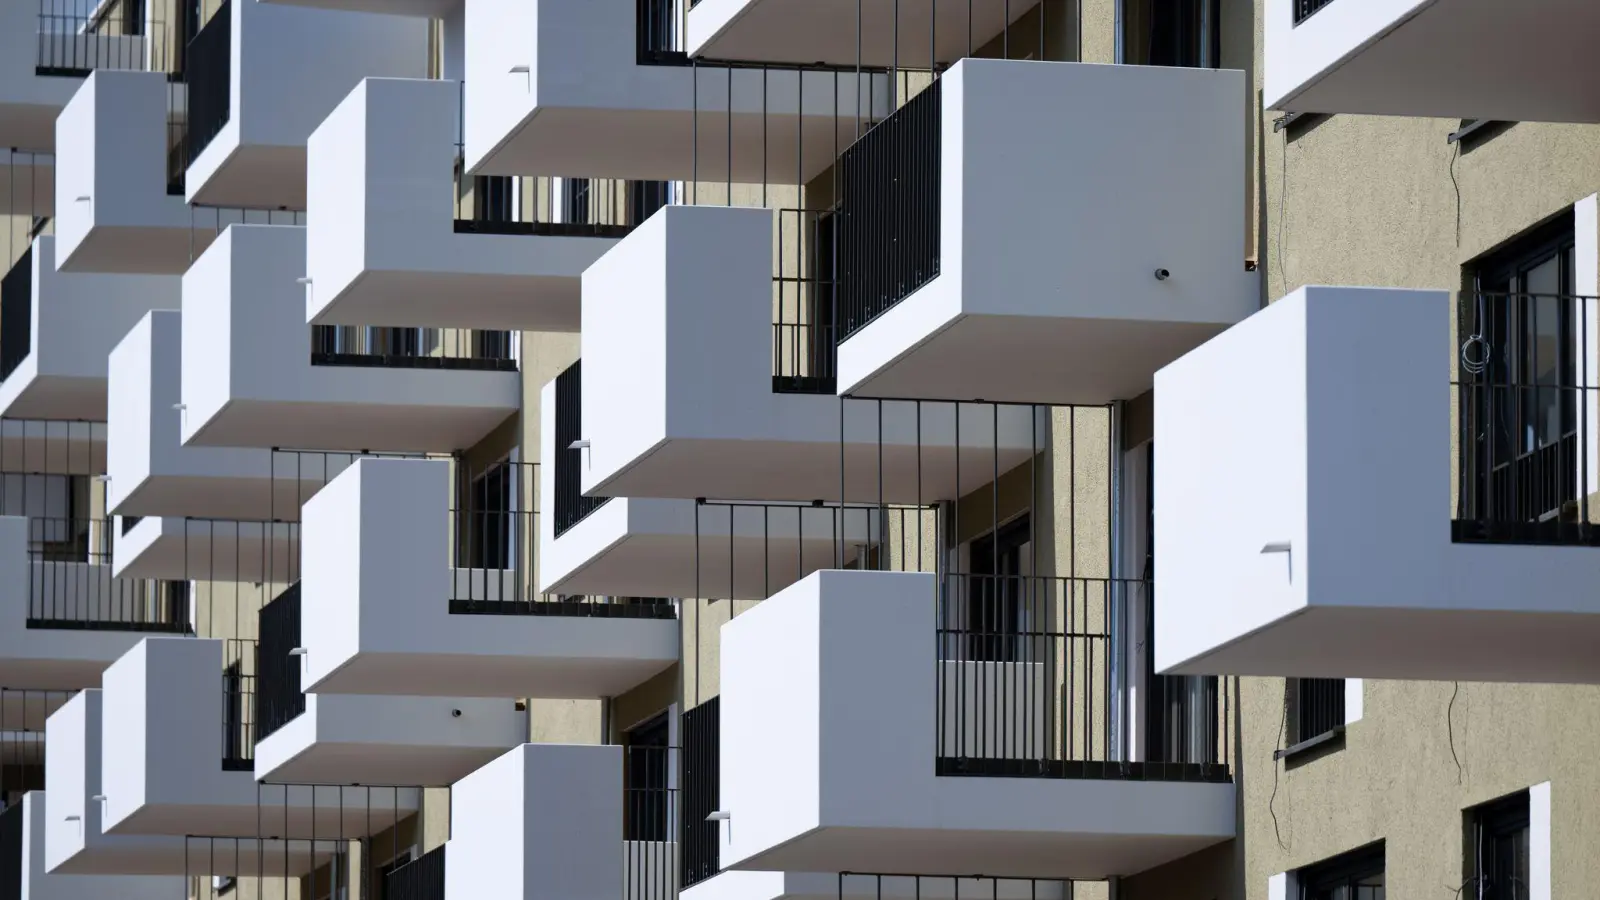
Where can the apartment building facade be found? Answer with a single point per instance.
(638, 448)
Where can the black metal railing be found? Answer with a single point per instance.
(1528, 406)
(1303, 9)
(177, 137)
(649, 832)
(279, 698)
(71, 588)
(23, 714)
(240, 664)
(657, 34)
(12, 827)
(411, 348)
(1025, 685)
(75, 37)
(571, 506)
(16, 314)
(699, 857)
(804, 340)
(888, 218)
(581, 207)
(208, 62)
(1316, 708)
(420, 879)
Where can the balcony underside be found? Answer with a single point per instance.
(552, 668)
(432, 9)
(178, 549)
(208, 497)
(465, 299)
(59, 448)
(28, 124)
(350, 426)
(805, 31)
(177, 855)
(677, 548)
(25, 394)
(730, 884)
(1468, 59)
(339, 811)
(1033, 359)
(154, 249)
(229, 174)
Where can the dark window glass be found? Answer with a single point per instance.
(1497, 853)
(1357, 875)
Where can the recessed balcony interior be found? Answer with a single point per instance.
(1406, 526)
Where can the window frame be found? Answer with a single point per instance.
(1320, 881)
(1499, 820)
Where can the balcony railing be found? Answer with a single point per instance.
(279, 698)
(1528, 406)
(888, 242)
(649, 822)
(78, 36)
(22, 721)
(12, 827)
(208, 62)
(420, 879)
(72, 588)
(239, 716)
(1026, 687)
(412, 348)
(16, 314)
(699, 857)
(804, 340)
(495, 541)
(567, 207)
(571, 506)
(1303, 9)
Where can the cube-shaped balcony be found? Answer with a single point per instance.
(186, 726)
(624, 547)
(152, 472)
(60, 326)
(48, 46)
(1334, 551)
(23, 829)
(119, 182)
(542, 820)
(657, 416)
(64, 618)
(558, 87)
(385, 246)
(1467, 59)
(342, 739)
(873, 33)
(980, 713)
(263, 76)
(949, 276)
(411, 590)
(254, 374)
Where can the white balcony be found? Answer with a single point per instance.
(37, 882)
(286, 69)
(119, 210)
(542, 820)
(250, 378)
(383, 245)
(561, 87)
(30, 180)
(152, 473)
(665, 419)
(1332, 551)
(1468, 59)
(385, 612)
(163, 708)
(175, 548)
(62, 623)
(679, 548)
(344, 739)
(845, 662)
(888, 32)
(73, 321)
(1144, 214)
(44, 54)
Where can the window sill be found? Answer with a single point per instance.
(1326, 742)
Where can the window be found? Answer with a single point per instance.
(1519, 407)
(486, 525)
(1171, 33)
(1316, 708)
(995, 608)
(656, 32)
(1497, 849)
(647, 781)
(575, 201)
(236, 743)
(1357, 875)
(494, 198)
(644, 198)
